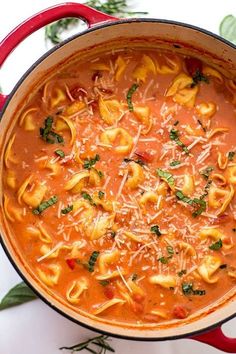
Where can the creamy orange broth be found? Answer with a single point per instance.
(152, 260)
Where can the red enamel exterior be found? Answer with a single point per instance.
(215, 337)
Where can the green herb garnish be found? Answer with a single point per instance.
(174, 135)
(45, 205)
(96, 345)
(156, 230)
(60, 153)
(175, 163)
(17, 295)
(67, 209)
(182, 272)
(111, 7)
(163, 260)
(170, 250)
(130, 93)
(199, 77)
(176, 123)
(101, 195)
(92, 260)
(48, 134)
(231, 155)
(187, 289)
(89, 163)
(104, 282)
(198, 204)
(138, 161)
(206, 172)
(216, 246)
(88, 197)
(134, 277)
(113, 234)
(228, 28)
(166, 176)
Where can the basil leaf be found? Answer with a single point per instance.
(174, 135)
(88, 197)
(206, 172)
(216, 246)
(228, 28)
(60, 153)
(187, 289)
(166, 176)
(18, 295)
(155, 229)
(88, 163)
(48, 134)
(45, 205)
(67, 209)
(231, 155)
(92, 261)
(130, 93)
(175, 163)
(101, 194)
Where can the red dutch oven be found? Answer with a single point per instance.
(186, 39)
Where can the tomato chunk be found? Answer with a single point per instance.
(109, 291)
(193, 65)
(71, 262)
(144, 156)
(180, 311)
(138, 298)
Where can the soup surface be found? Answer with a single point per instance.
(119, 185)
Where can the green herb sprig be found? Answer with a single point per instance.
(155, 229)
(67, 209)
(89, 163)
(54, 31)
(92, 261)
(48, 134)
(166, 176)
(216, 246)
(187, 289)
(96, 345)
(174, 135)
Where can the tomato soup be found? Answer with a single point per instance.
(119, 185)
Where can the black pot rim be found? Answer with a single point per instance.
(190, 335)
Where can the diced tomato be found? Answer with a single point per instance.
(193, 65)
(138, 298)
(144, 156)
(180, 311)
(137, 308)
(227, 240)
(109, 291)
(71, 262)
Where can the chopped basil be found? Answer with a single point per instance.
(101, 194)
(113, 234)
(163, 260)
(88, 197)
(67, 209)
(206, 172)
(174, 135)
(100, 173)
(175, 163)
(176, 123)
(202, 126)
(104, 282)
(170, 250)
(187, 289)
(182, 272)
(156, 230)
(198, 204)
(92, 260)
(45, 205)
(134, 277)
(60, 153)
(88, 163)
(138, 161)
(223, 266)
(130, 93)
(216, 246)
(48, 134)
(198, 77)
(231, 155)
(166, 176)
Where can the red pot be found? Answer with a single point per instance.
(203, 327)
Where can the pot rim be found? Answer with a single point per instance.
(191, 334)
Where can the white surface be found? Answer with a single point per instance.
(34, 328)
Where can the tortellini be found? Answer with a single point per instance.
(77, 182)
(64, 123)
(208, 268)
(136, 177)
(107, 258)
(110, 110)
(99, 227)
(124, 139)
(220, 198)
(189, 185)
(9, 154)
(142, 113)
(172, 65)
(76, 289)
(12, 212)
(106, 305)
(206, 109)
(231, 174)
(143, 68)
(181, 90)
(27, 120)
(120, 66)
(165, 281)
(50, 274)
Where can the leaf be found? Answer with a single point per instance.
(166, 176)
(44, 205)
(228, 28)
(18, 295)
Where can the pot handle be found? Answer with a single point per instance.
(43, 18)
(216, 338)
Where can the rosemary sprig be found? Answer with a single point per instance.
(90, 345)
(111, 7)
